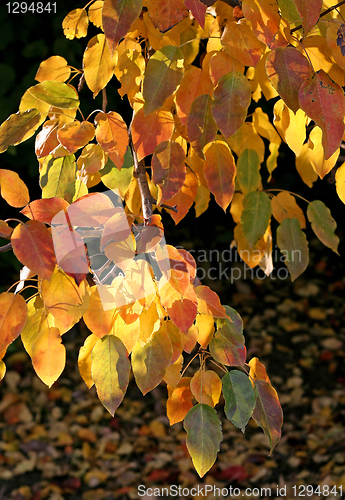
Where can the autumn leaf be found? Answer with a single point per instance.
(241, 43)
(117, 18)
(267, 412)
(53, 68)
(180, 401)
(13, 189)
(150, 130)
(257, 371)
(75, 135)
(163, 74)
(204, 434)
(98, 64)
(248, 171)
(185, 197)
(85, 361)
(54, 93)
(239, 398)
(293, 244)
(112, 135)
(165, 15)
(110, 371)
(19, 127)
(323, 224)
(75, 24)
(33, 246)
(264, 18)
(227, 345)
(201, 126)
(195, 82)
(48, 355)
(209, 303)
(284, 206)
(255, 215)
(13, 315)
(206, 387)
(309, 10)
(324, 102)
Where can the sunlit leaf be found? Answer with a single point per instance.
(204, 434)
(165, 15)
(163, 74)
(85, 361)
(221, 64)
(149, 131)
(324, 102)
(117, 18)
(13, 316)
(291, 126)
(239, 398)
(150, 361)
(75, 135)
(130, 66)
(240, 42)
(316, 153)
(205, 326)
(201, 126)
(5, 229)
(227, 345)
(54, 68)
(198, 10)
(293, 244)
(323, 224)
(19, 127)
(287, 70)
(92, 158)
(13, 189)
(57, 177)
(185, 197)
(206, 387)
(264, 18)
(168, 169)
(55, 93)
(183, 311)
(98, 320)
(304, 167)
(232, 97)
(113, 178)
(255, 216)
(98, 64)
(95, 13)
(220, 172)
(309, 10)
(48, 355)
(179, 401)
(209, 303)
(110, 371)
(112, 135)
(284, 206)
(267, 412)
(257, 371)
(340, 182)
(33, 246)
(75, 24)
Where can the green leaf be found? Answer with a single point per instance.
(18, 127)
(239, 398)
(268, 413)
(57, 177)
(149, 362)
(248, 171)
(232, 97)
(227, 345)
(323, 224)
(255, 216)
(113, 178)
(204, 435)
(289, 10)
(293, 244)
(110, 371)
(163, 74)
(56, 94)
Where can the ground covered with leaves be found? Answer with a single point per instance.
(60, 443)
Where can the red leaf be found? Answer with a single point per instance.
(149, 131)
(33, 246)
(183, 312)
(165, 15)
(44, 209)
(198, 10)
(13, 314)
(117, 18)
(309, 11)
(324, 102)
(209, 303)
(112, 135)
(287, 70)
(267, 412)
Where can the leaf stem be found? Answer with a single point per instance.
(286, 191)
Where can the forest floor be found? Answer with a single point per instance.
(60, 443)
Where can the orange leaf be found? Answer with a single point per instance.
(92, 158)
(209, 303)
(195, 82)
(183, 312)
(13, 315)
(46, 140)
(240, 42)
(75, 135)
(324, 102)
(98, 320)
(117, 18)
(168, 169)
(149, 131)
(180, 401)
(33, 246)
(201, 126)
(48, 355)
(264, 18)
(198, 10)
(257, 371)
(185, 197)
(5, 229)
(232, 97)
(206, 387)
(44, 209)
(165, 15)
(220, 172)
(13, 189)
(221, 64)
(112, 135)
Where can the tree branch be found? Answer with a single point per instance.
(6, 248)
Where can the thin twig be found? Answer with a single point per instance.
(6, 248)
(321, 15)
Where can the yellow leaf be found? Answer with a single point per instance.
(340, 182)
(291, 126)
(205, 325)
(236, 207)
(98, 64)
(95, 13)
(247, 135)
(284, 206)
(75, 24)
(128, 333)
(173, 373)
(54, 68)
(251, 256)
(97, 319)
(84, 359)
(130, 66)
(206, 387)
(316, 154)
(304, 167)
(48, 355)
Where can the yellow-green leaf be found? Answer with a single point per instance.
(294, 246)
(55, 93)
(19, 127)
(323, 224)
